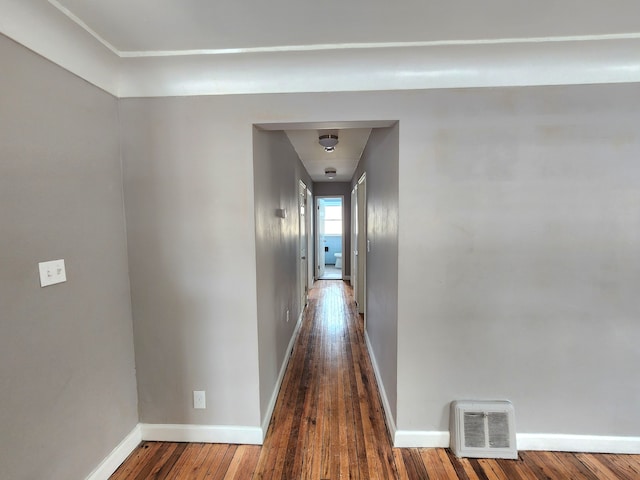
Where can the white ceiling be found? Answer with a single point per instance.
(344, 158)
(151, 48)
(196, 47)
(179, 25)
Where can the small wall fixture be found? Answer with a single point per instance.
(328, 141)
(281, 212)
(330, 172)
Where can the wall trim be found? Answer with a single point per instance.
(283, 369)
(501, 62)
(202, 433)
(420, 439)
(389, 420)
(118, 455)
(550, 442)
(577, 443)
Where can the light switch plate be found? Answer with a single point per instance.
(52, 272)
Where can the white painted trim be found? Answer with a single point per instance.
(502, 62)
(118, 455)
(283, 369)
(389, 420)
(550, 442)
(202, 433)
(577, 443)
(420, 439)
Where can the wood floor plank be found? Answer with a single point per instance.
(601, 471)
(328, 424)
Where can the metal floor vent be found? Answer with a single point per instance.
(483, 429)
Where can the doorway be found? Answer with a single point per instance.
(359, 242)
(329, 237)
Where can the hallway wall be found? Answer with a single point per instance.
(381, 163)
(277, 172)
(67, 373)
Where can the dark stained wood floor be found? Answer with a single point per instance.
(328, 424)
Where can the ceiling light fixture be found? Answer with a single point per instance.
(330, 172)
(328, 141)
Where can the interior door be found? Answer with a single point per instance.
(310, 249)
(354, 239)
(320, 236)
(304, 242)
(362, 245)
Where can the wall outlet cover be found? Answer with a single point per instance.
(199, 399)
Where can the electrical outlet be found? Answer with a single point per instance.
(199, 399)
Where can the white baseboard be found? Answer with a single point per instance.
(549, 442)
(420, 439)
(577, 443)
(202, 433)
(118, 455)
(283, 369)
(390, 421)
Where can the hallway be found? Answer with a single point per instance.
(328, 424)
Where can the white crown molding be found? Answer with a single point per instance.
(57, 35)
(42, 29)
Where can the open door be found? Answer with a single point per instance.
(304, 243)
(320, 236)
(361, 256)
(354, 239)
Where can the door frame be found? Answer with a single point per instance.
(317, 239)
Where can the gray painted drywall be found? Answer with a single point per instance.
(277, 172)
(380, 162)
(327, 189)
(517, 265)
(188, 182)
(67, 376)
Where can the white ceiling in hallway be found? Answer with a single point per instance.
(344, 158)
(179, 25)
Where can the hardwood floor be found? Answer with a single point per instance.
(328, 424)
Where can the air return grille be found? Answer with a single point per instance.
(483, 429)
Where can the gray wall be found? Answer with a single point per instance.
(277, 173)
(327, 189)
(67, 376)
(380, 162)
(517, 259)
(188, 180)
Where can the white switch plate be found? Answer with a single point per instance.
(52, 272)
(199, 399)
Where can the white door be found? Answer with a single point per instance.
(304, 242)
(354, 239)
(362, 245)
(310, 250)
(321, 240)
